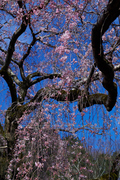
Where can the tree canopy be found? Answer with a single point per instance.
(54, 53)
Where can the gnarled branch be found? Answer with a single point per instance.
(110, 14)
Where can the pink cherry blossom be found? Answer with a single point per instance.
(66, 36)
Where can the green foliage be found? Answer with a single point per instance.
(111, 176)
(101, 165)
(80, 160)
(111, 173)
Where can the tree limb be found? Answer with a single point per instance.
(110, 14)
(7, 77)
(13, 40)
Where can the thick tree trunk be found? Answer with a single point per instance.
(8, 140)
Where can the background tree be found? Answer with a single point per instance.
(53, 53)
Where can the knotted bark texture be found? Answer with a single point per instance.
(111, 12)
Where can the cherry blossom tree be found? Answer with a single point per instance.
(58, 60)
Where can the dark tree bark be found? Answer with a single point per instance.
(111, 12)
